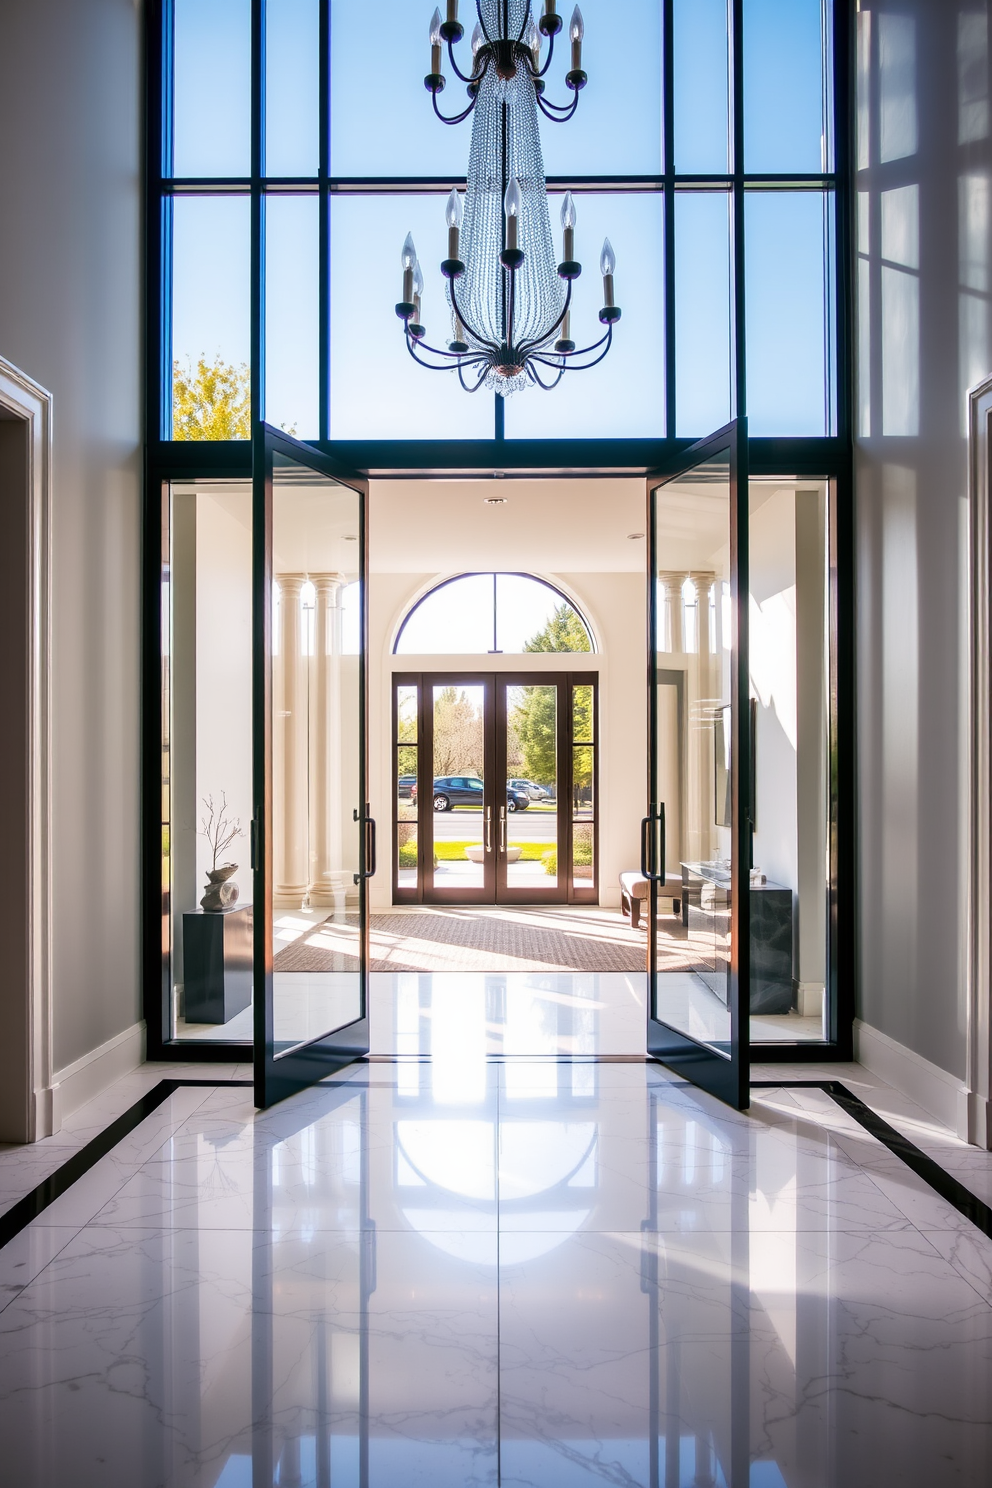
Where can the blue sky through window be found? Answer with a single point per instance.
(377, 392)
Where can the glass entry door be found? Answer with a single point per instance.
(695, 839)
(495, 788)
(313, 840)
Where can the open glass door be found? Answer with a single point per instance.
(313, 841)
(695, 843)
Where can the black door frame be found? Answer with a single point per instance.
(496, 890)
(168, 463)
(279, 1075)
(726, 1076)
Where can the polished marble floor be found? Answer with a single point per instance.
(457, 1271)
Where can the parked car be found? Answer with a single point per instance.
(406, 787)
(530, 787)
(468, 790)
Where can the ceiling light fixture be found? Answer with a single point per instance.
(511, 309)
(495, 500)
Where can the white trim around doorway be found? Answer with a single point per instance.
(979, 833)
(36, 1113)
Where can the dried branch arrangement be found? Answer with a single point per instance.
(218, 827)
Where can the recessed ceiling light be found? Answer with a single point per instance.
(494, 500)
(633, 536)
(350, 537)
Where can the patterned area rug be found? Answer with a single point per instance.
(468, 939)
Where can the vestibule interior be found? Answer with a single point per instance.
(586, 538)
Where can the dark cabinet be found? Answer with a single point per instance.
(217, 971)
(706, 914)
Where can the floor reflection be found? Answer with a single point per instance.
(457, 1271)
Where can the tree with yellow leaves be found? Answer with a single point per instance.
(211, 401)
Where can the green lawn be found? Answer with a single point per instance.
(454, 852)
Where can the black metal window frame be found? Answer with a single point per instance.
(827, 457)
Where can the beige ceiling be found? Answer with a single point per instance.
(565, 526)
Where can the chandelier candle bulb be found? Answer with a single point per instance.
(532, 41)
(576, 31)
(436, 43)
(608, 264)
(418, 291)
(568, 216)
(478, 37)
(408, 258)
(511, 206)
(453, 216)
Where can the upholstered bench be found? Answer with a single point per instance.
(634, 888)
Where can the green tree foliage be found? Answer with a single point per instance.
(211, 400)
(535, 720)
(564, 631)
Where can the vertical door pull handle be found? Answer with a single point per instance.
(502, 829)
(253, 842)
(489, 829)
(371, 845)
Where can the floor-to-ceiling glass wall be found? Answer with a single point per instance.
(705, 144)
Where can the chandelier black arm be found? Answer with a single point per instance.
(530, 66)
(482, 340)
(566, 357)
(484, 374)
(457, 70)
(535, 377)
(560, 116)
(528, 346)
(413, 345)
(458, 117)
(453, 356)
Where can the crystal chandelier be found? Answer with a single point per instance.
(509, 301)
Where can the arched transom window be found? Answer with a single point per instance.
(493, 613)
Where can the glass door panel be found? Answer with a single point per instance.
(531, 866)
(457, 812)
(698, 790)
(313, 843)
(406, 782)
(585, 809)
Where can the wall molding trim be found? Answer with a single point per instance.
(88, 1076)
(23, 399)
(944, 1096)
(978, 837)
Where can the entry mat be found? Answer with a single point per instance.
(460, 938)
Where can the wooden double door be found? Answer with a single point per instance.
(495, 788)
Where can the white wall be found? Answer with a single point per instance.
(614, 604)
(924, 181)
(69, 318)
(772, 637)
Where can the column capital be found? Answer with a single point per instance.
(290, 583)
(329, 584)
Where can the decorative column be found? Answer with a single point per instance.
(328, 875)
(706, 642)
(290, 747)
(671, 588)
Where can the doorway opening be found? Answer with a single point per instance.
(496, 795)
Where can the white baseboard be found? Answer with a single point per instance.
(942, 1095)
(80, 1081)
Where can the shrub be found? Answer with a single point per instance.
(581, 856)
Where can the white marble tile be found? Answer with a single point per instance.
(26, 1256)
(861, 1350)
(144, 1355)
(624, 1257)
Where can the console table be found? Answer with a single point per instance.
(706, 914)
(217, 964)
